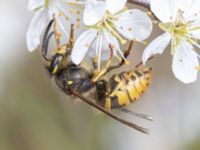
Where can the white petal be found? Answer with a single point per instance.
(164, 9)
(94, 12)
(108, 39)
(157, 46)
(134, 24)
(36, 29)
(192, 8)
(185, 61)
(196, 33)
(114, 42)
(82, 44)
(105, 51)
(34, 4)
(114, 6)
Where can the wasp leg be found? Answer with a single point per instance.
(126, 54)
(136, 114)
(45, 50)
(104, 70)
(57, 34)
(127, 123)
(46, 39)
(70, 43)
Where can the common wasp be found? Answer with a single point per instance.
(121, 90)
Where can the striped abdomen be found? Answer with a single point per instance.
(127, 87)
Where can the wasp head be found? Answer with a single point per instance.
(57, 63)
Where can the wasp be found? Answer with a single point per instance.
(121, 90)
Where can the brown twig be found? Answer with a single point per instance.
(143, 3)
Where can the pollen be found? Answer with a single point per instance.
(87, 45)
(130, 29)
(66, 18)
(78, 19)
(71, 11)
(197, 68)
(60, 13)
(78, 12)
(71, 3)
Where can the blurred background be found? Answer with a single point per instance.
(35, 115)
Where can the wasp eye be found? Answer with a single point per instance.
(56, 64)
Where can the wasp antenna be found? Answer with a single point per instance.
(130, 124)
(136, 114)
(45, 38)
(45, 50)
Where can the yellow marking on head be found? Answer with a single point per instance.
(55, 69)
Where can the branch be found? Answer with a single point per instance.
(143, 3)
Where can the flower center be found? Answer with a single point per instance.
(107, 23)
(177, 28)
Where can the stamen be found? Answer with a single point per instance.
(197, 68)
(144, 42)
(115, 33)
(149, 13)
(192, 41)
(195, 28)
(155, 22)
(46, 4)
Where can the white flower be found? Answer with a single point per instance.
(181, 23)
(44, 10)
(109, 22)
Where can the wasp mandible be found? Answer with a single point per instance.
(121, 90)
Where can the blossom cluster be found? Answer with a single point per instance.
(110, 22)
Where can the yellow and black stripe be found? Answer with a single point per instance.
(127, 87)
